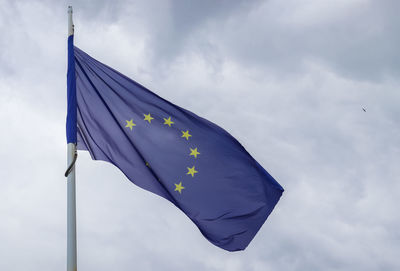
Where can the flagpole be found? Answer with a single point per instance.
(71, 199)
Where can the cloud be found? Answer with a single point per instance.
(287, 79)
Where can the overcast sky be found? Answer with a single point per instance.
(288, 79)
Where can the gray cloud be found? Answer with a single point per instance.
(287, 79)
(357, 40)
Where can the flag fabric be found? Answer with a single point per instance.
(167, 150)
(71, 93)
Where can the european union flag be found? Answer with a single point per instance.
(167, 150)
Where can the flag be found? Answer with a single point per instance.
(165, 149)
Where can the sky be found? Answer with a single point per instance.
(288, 79)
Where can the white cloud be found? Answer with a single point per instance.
(287, 79)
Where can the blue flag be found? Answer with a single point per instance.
(167, 150)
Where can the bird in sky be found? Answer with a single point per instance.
(364, 109)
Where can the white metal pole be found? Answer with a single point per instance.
(70, 23)
(71, 200)
(71, 212)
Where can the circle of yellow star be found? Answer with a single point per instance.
(191, 171)
(148, 117)
(168, 121)
(179, 187)
(194, 152)
(186, 134)
(130, 124)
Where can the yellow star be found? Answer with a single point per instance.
(194, 152)
(191, 171)
(148, 117)
(186, 134)
(130, 124)
(168, 121)
(179, 187)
